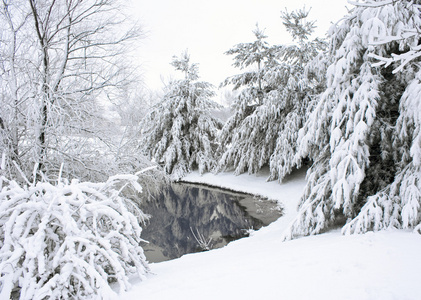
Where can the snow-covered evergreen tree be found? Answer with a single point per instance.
(180, 131)
(246, 142)
(398, 205)
(362, 134)
(298, 85)
(69, 240)
(271, 107)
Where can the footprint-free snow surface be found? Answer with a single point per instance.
(383, 265)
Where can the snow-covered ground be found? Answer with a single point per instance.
(383, 265)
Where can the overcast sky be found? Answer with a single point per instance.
(209, 28)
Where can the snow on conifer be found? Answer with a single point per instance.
(247, 138)
(69, 240)
(298, 86)
(362, 134)
(274, 94)
(180, 131)
(398, 205)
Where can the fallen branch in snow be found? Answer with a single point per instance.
(201, 240)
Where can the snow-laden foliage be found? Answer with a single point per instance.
(274, 94)
(401, 32)
(60, 61)
(247, 138)
(298, 84)
(362, 134)
(69, 240)
(398, 205)
(180, 131)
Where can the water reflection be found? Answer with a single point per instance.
(188, 218)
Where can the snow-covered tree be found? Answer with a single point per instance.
(59, 61)
(69, 240)
(271, 106)
(298, 85)
(398, 205)
(363, 134)
(255, 58)
(180, 131)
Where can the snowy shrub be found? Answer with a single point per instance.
(69, 240)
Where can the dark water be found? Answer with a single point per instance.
(188, 218)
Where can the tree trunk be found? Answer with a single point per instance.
(41, 34)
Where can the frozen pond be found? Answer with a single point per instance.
(189, 218)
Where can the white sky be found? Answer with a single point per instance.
(209, 28)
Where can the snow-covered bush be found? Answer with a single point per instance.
(69, 240)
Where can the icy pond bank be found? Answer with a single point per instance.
(187, 218)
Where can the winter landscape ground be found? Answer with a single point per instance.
(382, 265)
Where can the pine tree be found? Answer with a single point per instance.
(398, 204)
(298, 83)
(180, 131)
(361, 129)
(270, 108)
(250, 142)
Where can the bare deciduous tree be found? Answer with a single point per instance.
(60, 60)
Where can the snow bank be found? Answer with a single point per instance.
(380, 265)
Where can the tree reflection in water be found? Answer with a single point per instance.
(181, 213)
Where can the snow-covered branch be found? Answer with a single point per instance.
(372, 3)
(363, 135)
(64, 57)
(69, 240)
